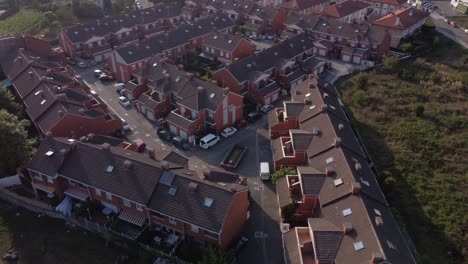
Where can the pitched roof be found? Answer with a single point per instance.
(172, 157)
(345, 8)
(301, 4)
(222, 41)
(326, 238)
(206, 207)
(49, 157)
(147, 101)
(402, 18)
(311, 180)
(291, 247)
(178, 120)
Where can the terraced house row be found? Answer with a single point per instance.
(334, 200)
(137, 191)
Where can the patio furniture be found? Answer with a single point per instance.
(107, 211)
(172, 239)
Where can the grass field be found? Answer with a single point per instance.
(25, 21)
(413, 118)
(46, 240)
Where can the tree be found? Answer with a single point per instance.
(7, 101)
(419, 109)
(16, 147)
(243, 29)
(406, 47)
(390, 63)
(281, 173)
(360, 81)
(215, 255)
(360, 98)
(86, 9)
(65, 15)
(51, 17)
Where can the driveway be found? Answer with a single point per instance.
(265, 241)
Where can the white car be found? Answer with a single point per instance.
(98, 73)
(124, 102)
(81, 64)
(266, 107)
(466, 30)
(228, 131)
(126, 127)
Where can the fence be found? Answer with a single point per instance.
(29, 204)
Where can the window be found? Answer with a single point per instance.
(210, 114)
(212, 50)
(98, 192)
(221, 53)
(126, 202)
(227, 55)
(108, 196)
(139, 207)
(211, 234)
(347, 212)
(172, 220)
(194, 228)
(158, 215)
(207, 49)
(38, 177)
(358, 245)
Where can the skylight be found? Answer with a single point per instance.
(365, 182)
(155, 64)
(71, 140)
(49, 153)
(212, 95)
(43, 102)
(38, 92)
(230, 41)
(391, 245)
(329, 160)
(177, 79)
(130, 52)
(207, 202)
(311, 107)
(358, 245)
(377, 212)
(332, 107)
(338, 182)
(347, 212)
(307, 95)
(172, 191)
(215, 37)
(110, 168)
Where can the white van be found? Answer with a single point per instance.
(119, 87)
(265, 171)
(208, 141)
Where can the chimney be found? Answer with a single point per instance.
(225, 90)
(307, 101)
(357, 166)
(31, 75)
(397, 21)
(105, 146)
(60, 113)
(189, 75)
(90, 137)
(151, 153)
(355, 188)
(49, 134)
(165, 165)
(376, 257)
(193, 186)
(20, 59)
(316, 131)
(311, 85)
(63, 152)
(336, 142)
(128, 164)
(206, 173)
(83, 139)
(329, 171)
(347, 228)
(199, 88)
(323, 108)
(378, 221)
(167, 77)
(233, 187)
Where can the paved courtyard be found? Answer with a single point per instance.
(263, 231)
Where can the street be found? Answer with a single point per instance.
(262, 230)
(456, 34)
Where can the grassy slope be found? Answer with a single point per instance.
(46, 240)
(25, 21)
(422, 158)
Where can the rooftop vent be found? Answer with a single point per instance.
(128, 164)
(105, 146)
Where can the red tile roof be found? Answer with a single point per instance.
(402, 19)
(345, 8)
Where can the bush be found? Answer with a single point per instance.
(390, 63)
(406, 47)
(418, 109)
(360, 98)
(360, 80)
(281, 173)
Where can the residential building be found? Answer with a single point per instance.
(139, 191)
(264, 20)
(226, 48)
(255, 75)
(403, 23)
(95, 40)
(349, 11)
(126, 60)
(384, 7)
(307, 6)
(58, 102)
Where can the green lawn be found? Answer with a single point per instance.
(413, 119)
(25, 21)
(47, 240)
(462, 21)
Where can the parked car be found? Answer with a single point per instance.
(119, 87)
(126, 127)
(141, 145)
(180, 143)
(266, 107)
(82, 64)
(466, 30)
(105, 77)
(98, 73)
(253, 37)
(71, 61)
(123, 101)
(208, 141)
(254, 116)
(164, 134)
(228, 131)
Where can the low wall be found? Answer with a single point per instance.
(29, 204)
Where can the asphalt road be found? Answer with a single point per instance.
(456, 34)
(262, 230)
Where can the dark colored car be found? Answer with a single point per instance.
(164, 134)
(241, 244)
(254, 116)
(141, 145)
(180, 143)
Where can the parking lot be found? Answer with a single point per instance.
(263, 231)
